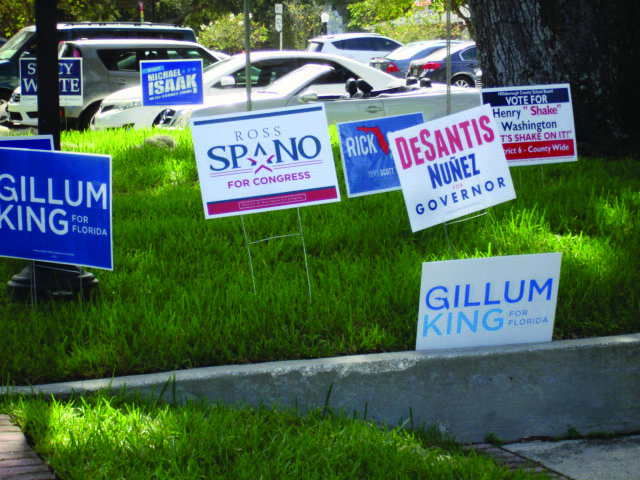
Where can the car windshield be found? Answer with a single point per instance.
(14, 44)
(297, 79)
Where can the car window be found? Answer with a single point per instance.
(470, 54)
(14, 44)
(338, 75)
(190, 54)
(381, 45)
(315, 46)
(264, 72)
(121, 60)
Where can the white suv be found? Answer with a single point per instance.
(109, 65)
(359, 46)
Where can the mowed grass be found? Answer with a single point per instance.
(182, 294)
(116, 437)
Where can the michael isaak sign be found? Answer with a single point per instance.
(264, 160)
(488, 301)
(451, 167)
(535, 123)
(171, 82)
(56, 207)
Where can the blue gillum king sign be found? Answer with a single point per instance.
(56, 207)
(175, 82)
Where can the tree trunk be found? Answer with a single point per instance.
(591, 44)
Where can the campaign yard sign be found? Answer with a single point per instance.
(171, 82)
(451, 166)
(488, 301)
(366, 156)
(535, 123)
(69, 80)
(34, 142)
(56, 207)
(264, 160)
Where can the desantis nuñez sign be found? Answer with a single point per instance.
(451, 167)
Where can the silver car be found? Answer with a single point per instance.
(360, 101)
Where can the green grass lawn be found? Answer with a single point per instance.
(102, 437)
(181, 294)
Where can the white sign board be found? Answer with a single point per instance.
(535, 123)
(488, 301)
(451, 166)
(264, 160)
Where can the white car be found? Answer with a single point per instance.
(124, 108)
(359, 102)
(360, 46)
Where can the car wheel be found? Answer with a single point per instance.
(463, 82)
(86, 117)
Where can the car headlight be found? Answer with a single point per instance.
(170, 118)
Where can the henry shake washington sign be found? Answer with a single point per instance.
(488, 301)
(535, 123)
(264, 160)
(451, 167)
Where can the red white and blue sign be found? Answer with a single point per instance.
(69, 80)
(451, 167)
(171, 82)
(265, 160)
(535, 123)
(56, 207)
(366, 155)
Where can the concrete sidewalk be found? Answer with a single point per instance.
(586, 459)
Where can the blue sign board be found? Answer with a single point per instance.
(173, 82)
(366, 156)
(56, 207)
(35, 142)
(69, 80)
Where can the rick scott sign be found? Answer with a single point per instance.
(488, 301)
(265, 160)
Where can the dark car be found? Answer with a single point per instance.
(397, 62)
(464, 65)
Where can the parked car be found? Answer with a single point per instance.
(107, 66)
(358, 46)
(360, 100)
(23, 43)
(124, 108)
(464, 63)
(397, 62)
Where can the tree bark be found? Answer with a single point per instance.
(591, 44)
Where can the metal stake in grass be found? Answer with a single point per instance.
(304, 251)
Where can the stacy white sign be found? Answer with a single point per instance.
(451, 167)
(488, 301)
(265, 160)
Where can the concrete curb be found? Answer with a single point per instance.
(512, 391)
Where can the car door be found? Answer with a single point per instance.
(123, 65)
